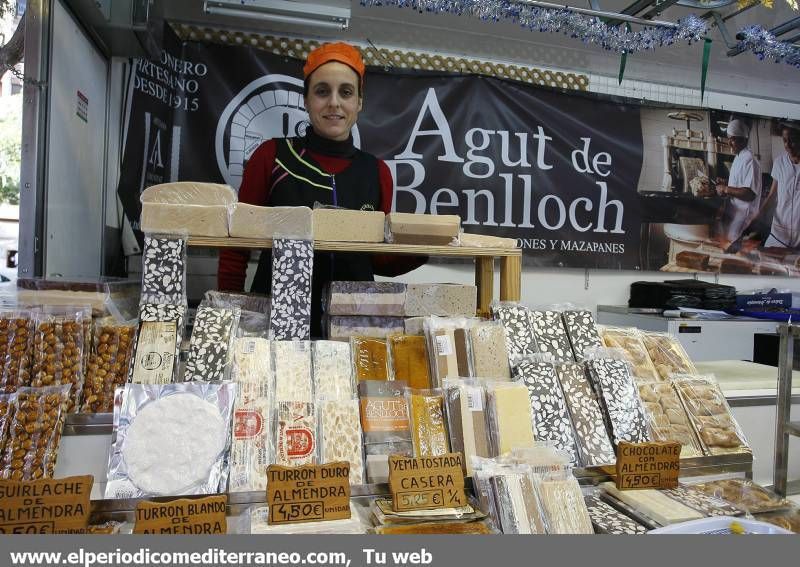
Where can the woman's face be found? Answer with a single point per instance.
(333, 100)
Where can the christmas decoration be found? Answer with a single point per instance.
(589, 29)
(765, 45)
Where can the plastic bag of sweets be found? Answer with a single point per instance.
(108, 365)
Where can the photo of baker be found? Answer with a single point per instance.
(741, 191)
(783, 203)
(720, 192)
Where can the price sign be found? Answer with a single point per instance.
(182, 517)
(310, 493)
(425, 483)
(648, 465)
(45, 506)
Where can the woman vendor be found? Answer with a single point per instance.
(321, 167)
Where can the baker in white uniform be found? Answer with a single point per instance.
(785, 230)
(743, 186)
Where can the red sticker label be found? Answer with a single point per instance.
(248, 424)
(299, 442)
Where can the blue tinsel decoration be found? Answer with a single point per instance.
(578, 26)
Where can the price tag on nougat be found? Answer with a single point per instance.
(182, 517)
(648, 465)
(310, 493)
(425, 483)
(45, 506)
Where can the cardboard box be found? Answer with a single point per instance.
(771, 301)
(433, 230)
(344, 225)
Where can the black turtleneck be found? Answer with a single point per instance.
(333, 148)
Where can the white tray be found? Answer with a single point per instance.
(720, 525)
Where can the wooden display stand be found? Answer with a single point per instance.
(510, 260)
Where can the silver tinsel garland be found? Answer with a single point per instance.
(588, 29)
(766, 46)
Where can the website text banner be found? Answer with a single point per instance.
(368, 551)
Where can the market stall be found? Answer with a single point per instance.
(421, 406)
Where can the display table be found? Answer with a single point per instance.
(751, 390)
(703, 340)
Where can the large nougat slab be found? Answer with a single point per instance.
(466, 421)
(409, 360)
(517, 503)
(160, 333)
(582, 332)
(654, 504)
(434, 230)
(608, 520)
(344, 225)
(381, 299)
(369, 358)
(340, 435)
(333, 371)
(252, 361)
(551, 337)
(164, 269)
(292, 266)
(250, 441)
(592, 439)
(384, 413)
(550, 414)
(697, 500)
(489, 351)
(667, 418)
(510, 416)
(292, 364)
(428, 430)
(563, 507)
(210, 347)
(444, 354)
(195, 220)
(447, 300)
(251, 221)
(620, 400)
(189, 193)
(516, 321)
(385, 422)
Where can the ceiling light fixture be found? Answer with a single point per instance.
(282, 11)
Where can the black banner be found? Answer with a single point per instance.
(571, 176)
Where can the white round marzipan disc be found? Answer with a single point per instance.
(172, 444)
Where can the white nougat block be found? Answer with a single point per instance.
(344, 225)
(251, 221)
(189, 193)
(197, 220)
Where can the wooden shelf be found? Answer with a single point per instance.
(238, 502)
(510, 260)
(362, 247)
